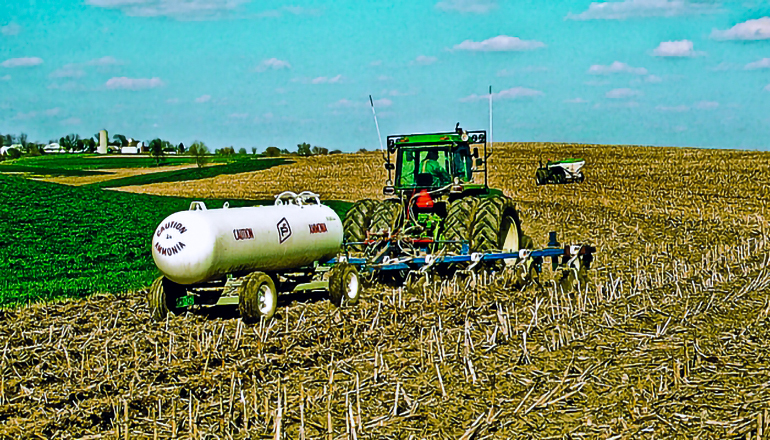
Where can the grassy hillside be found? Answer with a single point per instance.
(61, 241)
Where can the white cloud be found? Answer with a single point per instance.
(5, 78)
(500, 43)
(273, 64)
(133, 83)
(71, 121)
(346, 103)
(22, 62)
(758, 29)
(239, 115)
(767, 88)
(384, 78)
(24, 116)
(723, 66)
(178, 9)
(678, 109)
(764, 63)
(376, 63)
(622, 93)
(203, 98)
(326, 80)
(424, 60)
(621, 104)
(653, 79)
(467, 6)
(621, 10)
(706, 105)
(682, 48)
(597, 83)
(576, 101)
(53, 112)
(616, 67)
(395, 92)
(512, 93)
(527, 69)
(104, 61)
(10, 29)
(68, 71)
(172, 101)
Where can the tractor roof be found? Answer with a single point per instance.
(476, 137)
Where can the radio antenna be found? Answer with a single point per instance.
(490, 120)
(376, 124)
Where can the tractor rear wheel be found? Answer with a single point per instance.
(344, 285)
(163, 296)
(496, 226)
(258, 297)
(384, 216)
(357, 221)
(459, 222)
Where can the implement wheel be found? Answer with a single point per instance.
(163, 296)
(257, 298)
(344, 285)
(357, 221)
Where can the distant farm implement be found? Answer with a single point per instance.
(560, 171)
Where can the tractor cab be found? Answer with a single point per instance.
(437, 160)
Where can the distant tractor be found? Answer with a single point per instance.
(560, 171)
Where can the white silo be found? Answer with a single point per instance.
(102, 149)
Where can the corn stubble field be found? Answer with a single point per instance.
(669, 340)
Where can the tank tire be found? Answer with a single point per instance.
(357, 221)
(384, 215)
(344, 285)
(258, 297)
(541, 176)
(459, 221)
(162, 297)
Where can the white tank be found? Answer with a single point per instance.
(202, 244)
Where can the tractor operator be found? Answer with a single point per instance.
(431, 166)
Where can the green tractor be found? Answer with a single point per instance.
(440, 203)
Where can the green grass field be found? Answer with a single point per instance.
(96, 161)
(239, 166)
(60, 241)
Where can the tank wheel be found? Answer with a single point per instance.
(357, 221)
(580, 178)
(257, 298)
(459, 220)
(541, 176)
(344, 285)
(163, 296)
(384, 215)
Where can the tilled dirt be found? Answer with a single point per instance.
(680, 357)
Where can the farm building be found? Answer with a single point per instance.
(54, 147)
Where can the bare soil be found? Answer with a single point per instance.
(667, 341)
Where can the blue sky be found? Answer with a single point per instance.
(260, 73)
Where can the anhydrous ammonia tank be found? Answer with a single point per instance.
(200, 245)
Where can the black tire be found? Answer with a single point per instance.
(357, 221)
(496, 226)
(541, 176)
(163, 296)
(385, 216)
(581, 178)
(257, 297)
(344, 285)
(459, 222)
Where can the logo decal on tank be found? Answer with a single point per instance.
(284, 230)
(243, 234)
(318, 228)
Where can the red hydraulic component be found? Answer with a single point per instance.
(424, 200)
